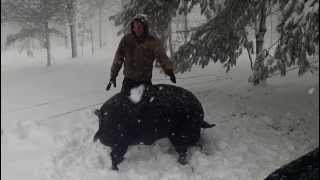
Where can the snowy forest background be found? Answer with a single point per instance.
(226, 29)
(55, 58)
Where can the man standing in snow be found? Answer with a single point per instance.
(137, 51)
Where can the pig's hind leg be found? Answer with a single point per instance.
(182, 140)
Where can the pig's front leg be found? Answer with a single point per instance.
(117, 155)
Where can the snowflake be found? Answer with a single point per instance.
(311, 91)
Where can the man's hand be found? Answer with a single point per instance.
(112, 81)
(172, 76)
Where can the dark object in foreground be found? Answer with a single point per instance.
(164, 111)
(303, 168)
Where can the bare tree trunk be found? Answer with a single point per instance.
(261, 32)
(170, 39)
(100, 27)
(91, 38)
(73, 36)
(29, 47)
(2, 36)
(66, 41)
(123, 2)
(48, 44)
(82, 40)
(3, 46)
(260, 73)
(72, 22)
(163, 40)
(185, 16)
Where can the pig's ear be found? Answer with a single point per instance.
(97, 112)
(96, 136)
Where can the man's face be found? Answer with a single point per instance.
(138, 28)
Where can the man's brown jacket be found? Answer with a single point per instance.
(138, 58)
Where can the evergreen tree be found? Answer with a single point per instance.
(224, 36)
(221, 39)
(35, 17)
(299, 35)
(100, 4)
(91, 14)
(71, 16)
(159, 14)
(299, 39)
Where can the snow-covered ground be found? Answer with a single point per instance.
(47, 121)
(47, 124)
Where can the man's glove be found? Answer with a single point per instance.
(112, 81)
(172, 76)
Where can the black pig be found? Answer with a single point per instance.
(163, 111)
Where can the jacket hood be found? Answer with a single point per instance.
(143, 19)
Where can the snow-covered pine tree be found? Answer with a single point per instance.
(100, 5)
(34, 18)
(86, 12)
(260, 71)
(220, 39)
(70, 11)
(98, 8)
(226, 33)
(159, 14)
(299, 35)
(299, 39)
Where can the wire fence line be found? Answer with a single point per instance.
(74, 110)
(220, 78)
(59, 100)
(200, 76)
(193, 77)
